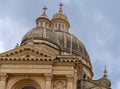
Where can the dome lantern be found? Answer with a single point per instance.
(60, 21)
(43, 20)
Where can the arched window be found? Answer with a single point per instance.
(41, 24)
(26, 84)
(63, 26)
(56, 25)
(59, 27)
(28, 87)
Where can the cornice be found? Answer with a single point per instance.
(24, 48)
(25, 59)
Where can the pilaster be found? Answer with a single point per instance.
(48, 80)
(70, 81)
(3, 78)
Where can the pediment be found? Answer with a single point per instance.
(26, 51)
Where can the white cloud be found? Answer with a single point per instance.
(117, 85)
(69, 1)
(10, 33)
(1, 47)
(99, 17)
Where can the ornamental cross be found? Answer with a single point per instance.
(45, 8)
(60, 4)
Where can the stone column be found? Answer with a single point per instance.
(75, 79)
(48, 78)
(3, 78)
(70, 81)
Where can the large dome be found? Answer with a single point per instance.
(64, 41)
(54, 35)
(40, 35)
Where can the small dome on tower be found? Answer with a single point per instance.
(60, 21)
(43, 20)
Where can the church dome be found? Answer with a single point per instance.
(60, 39)
(71, 44)
(55, 34)
(40, 35)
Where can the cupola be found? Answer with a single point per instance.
(43, 20)
(60, 21)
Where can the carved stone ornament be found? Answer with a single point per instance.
(59, 84)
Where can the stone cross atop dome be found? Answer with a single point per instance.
(60, 9)
(44, 11)
(105, 72)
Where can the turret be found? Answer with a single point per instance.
(60, 21)
(43, 20)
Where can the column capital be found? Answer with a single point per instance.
(69, 75)
(48, 76)
(70, 78)
(3, 76)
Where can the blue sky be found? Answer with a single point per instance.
(95, 22)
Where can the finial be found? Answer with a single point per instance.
(17, 45)
(61, 4)
(60, 9)
(105, 72)
(44, 9)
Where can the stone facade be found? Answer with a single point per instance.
(49, 57)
